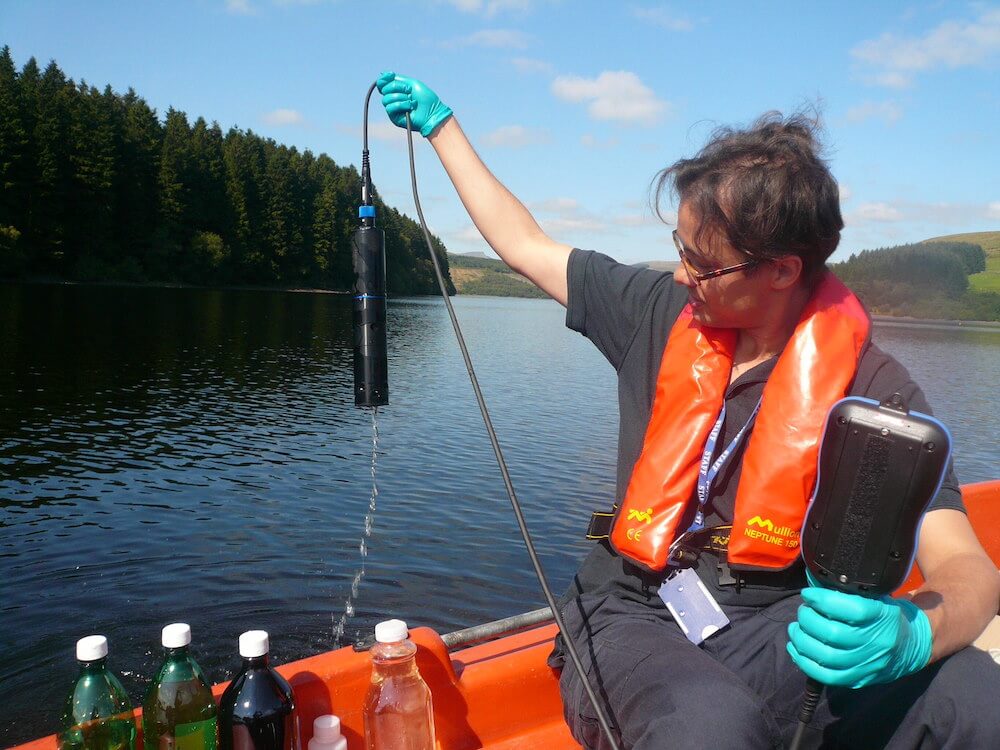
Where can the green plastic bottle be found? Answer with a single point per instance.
(179, 711)
(98, 714)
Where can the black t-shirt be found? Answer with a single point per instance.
(628, 312)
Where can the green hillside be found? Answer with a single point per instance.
(988, 241)
(475, 275)
(950, 278)
(988, 280)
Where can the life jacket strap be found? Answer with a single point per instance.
(601, 523)
(687, 546)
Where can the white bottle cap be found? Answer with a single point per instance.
(91, 648)
(176, 635)
(326, 734)
(253, 643)
(391, 631)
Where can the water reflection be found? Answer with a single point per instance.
(195, 455)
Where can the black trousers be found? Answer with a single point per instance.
(741, 690)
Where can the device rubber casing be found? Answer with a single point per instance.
(879, 467)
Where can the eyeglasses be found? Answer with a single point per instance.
(704, 276)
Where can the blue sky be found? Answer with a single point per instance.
(575, 105)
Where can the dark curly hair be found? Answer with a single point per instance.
(765, 187)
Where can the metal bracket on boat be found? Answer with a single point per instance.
(488, 631)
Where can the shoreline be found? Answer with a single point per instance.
(906, 322)
(176, 285)
(890, 320)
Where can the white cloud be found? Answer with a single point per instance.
(283, 117)
(940, 212)
(642, 220)
(556, 205)
(492, 38)
(571, 224)
(490, 8)
(563, 216)
(613, 95)
(959, 216)
(593, 142)
(531, 65)
(952, 44)
(876, 212)
(845, 192)
(663, 18)
(889, 112)
(240, 7)
(892, 79)
(466, 234)
(385, 131)
(670, 217)
(382, 131)
(514, 136)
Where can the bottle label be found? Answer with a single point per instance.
(195, 735)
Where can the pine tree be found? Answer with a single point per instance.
(244, 160)
(324, 245)
(136, 182)
(13, 170)
(174, 229)
(53, 186)
(89, 216)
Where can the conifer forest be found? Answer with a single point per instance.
(95, 186)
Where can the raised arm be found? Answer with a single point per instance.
(506, 225)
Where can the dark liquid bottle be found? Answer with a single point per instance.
(257, 711)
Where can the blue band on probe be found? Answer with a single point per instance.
(366, 212)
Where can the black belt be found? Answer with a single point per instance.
(689, 546)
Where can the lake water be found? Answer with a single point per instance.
(195, 455)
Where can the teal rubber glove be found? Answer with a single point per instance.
(401, 95)
(849, 640)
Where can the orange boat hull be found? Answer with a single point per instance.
(499, 695)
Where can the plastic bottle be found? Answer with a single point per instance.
(98, 714)
(326, 734)
(257, 711)
(398, 712)
(179, 710)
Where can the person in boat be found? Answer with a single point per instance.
(714, 356)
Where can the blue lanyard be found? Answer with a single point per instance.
(708, 470)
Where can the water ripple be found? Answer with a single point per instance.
(196, 455)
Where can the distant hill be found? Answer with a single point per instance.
(475, 274)
(988, 241)
(988, 280)
(942, 278)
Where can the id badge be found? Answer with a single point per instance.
(693, 608)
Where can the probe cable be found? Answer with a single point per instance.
(536, 563)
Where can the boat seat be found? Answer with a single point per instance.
(989, 641)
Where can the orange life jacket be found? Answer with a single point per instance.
(779, 465)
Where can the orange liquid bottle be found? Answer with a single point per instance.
(398, 712)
